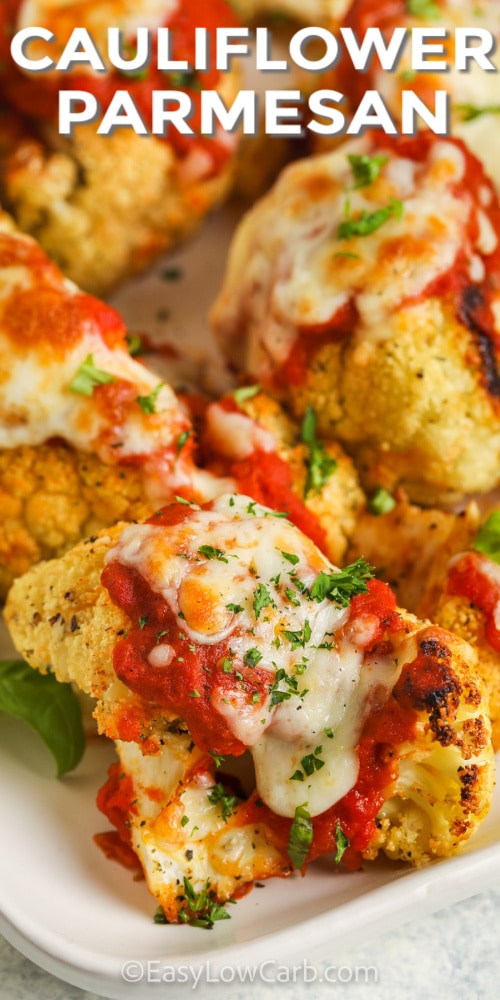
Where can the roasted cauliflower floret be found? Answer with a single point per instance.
(88, 435)
(105, 206)
(248, 437)
(406, 544)
(364, 285)
(226, 623)
(463, 595)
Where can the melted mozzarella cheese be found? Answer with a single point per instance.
(251, 587)
(289, 270)
(36, 375)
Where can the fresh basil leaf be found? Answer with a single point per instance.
(49, 707)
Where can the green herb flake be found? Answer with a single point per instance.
(368, 222)
(328, 731)
(365, 169)
(159, 916)
(148, 403)
(48, 706)
(468, 112)
(235, 608)
(143, 622)
(245, 392)
(218, 795)
(342, 842)
(319, 464)
(426, 9)
(134, 344)
(342, 586)
(194, 694)
(382, 502)
(300, 837)
(290, 557)
(184, 820)
(283, 687)
(202, 909)
(299, 638)
(252, 657)
(262, 599)
(217, 757)
(181, 440)
(88, 377)
(212, 553)
(487, 539)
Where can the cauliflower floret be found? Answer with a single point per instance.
(341, 294)
(407, 544)
(105, 206)
(217, 622)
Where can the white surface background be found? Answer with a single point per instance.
(449, 955)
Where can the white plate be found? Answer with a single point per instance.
(82, 917)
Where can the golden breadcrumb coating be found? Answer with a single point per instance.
(440, 778)
(104, 207)
(354, 293)
(405, 545)
(51, 496)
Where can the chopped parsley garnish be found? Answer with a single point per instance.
(290, 557)
(218, 758)
(227, 665)
(184, 820)
(143, 622)
(185, 79)
(245, 392)
(487, 539)
(212, 553)
(366, 168)
(134, 344)
(235, 608)
(298, 638)
(148, 403)
(262, 599)
(470, 111)
(342, 586)
(181, 441)
(328, 731)
(368, 222)
(252, 657)
(342, 842)
(201, 908)
(218, 795)
(320, 465)
(310, 763)
(382, 502)
(187, 503)
(424, 8)
(194, 694)
(301, 836)
(283, 687)
(88, 377)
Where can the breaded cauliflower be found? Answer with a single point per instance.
(406, 543)
(206, 632)
(462, 594)
(365, 285)
(105, 206)
(248, 438)
(473, 94)
(87, 433)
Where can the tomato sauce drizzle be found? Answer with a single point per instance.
(40, 97)
(467, 578)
